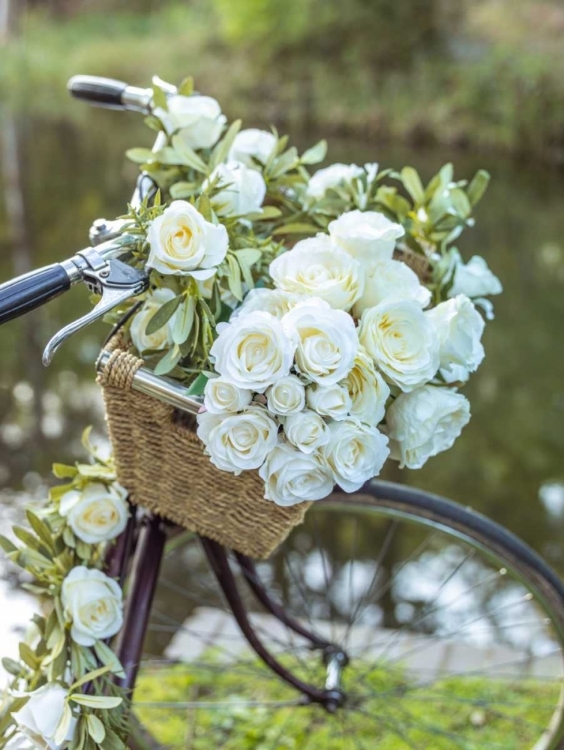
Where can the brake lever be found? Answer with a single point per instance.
(111, 278)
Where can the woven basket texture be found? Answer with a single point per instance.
(161, 462)
(418, 263)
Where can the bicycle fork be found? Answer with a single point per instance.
(145, 559)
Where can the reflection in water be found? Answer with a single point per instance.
(508, 463)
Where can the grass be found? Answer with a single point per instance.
(496, 80)
(470, 713)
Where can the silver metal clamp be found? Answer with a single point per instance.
(112, 279)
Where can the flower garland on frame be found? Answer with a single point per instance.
(62, 690)
(290, 303)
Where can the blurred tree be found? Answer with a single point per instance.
(75, 7)
(10, 11)
(383, 33)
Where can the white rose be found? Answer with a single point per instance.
(93, 602)
(160, 339)
(241, 189)
(253, 351)
(367, 389)
(474, 279)
(252, 144)
(220, 396)
(183, 242)
(402, 341)
(307, 431)
(197, 119)
(331, 177)
(292, 477)
(274, 301)
(96, 514)
(329, 400)
(238, 442)
(459, 327)
(327, 340)
(425, 422)
(39, 718)
(355, 452)
(317, 268)
(21, 742)
(286, 396)
(391, 281)
(368, 236)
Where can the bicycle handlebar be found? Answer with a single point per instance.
(25, 293)
(109, 93)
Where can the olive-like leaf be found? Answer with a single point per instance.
(162, 315)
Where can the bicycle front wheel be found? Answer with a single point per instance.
(452, 628)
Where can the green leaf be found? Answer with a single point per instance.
(184, 320)
(296, 228)
(33, 559)
(109, 658)
(247, 258)
(186, 88)
(27, 656)
(397, 204)
(267, 212)
(284, 163)
(204, 206)
(7, 545)
(413, 185)
(187, 155)
(61, 471)
(41, 528)
(234, 277)
(169, 361)
(90, 677)
(163, 315)
(198, 386)
(478, 186)
(95, 728)
(55, 643)
(112, 741)
(183, 190)
(159, 96)
(315, 154)
(96, 701)
(222, 149)
(153, 122)
(96, 471)
(63, 725)
(460, 203)
(12, 666)
(139, 155)
(83, 550)
(29, 539)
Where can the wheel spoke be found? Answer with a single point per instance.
(439, 632)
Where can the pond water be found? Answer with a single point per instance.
(509, 462)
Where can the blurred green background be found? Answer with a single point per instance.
(471, 73)
(420, 82)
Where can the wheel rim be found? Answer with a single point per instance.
(450, 644)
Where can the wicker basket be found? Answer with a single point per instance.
(161, 462)
(418, 263)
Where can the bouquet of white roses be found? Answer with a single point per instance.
(291, 302)
(328, 321)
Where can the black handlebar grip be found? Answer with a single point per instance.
(101, 92)
(25, 293)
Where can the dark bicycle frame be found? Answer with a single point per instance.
(139, 551)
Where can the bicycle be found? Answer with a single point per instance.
(385, 612)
